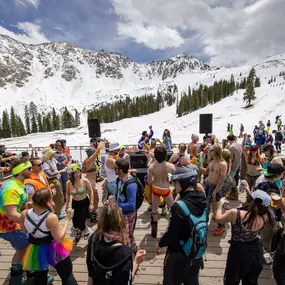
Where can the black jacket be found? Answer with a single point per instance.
(179, 226)
(108, 264)
(268, 187)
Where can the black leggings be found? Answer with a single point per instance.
(244, 262)
(179, 269)
(64, 270)
(81, 210)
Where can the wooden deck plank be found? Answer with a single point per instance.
(151, 270)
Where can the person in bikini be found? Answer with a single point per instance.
(254, 162)
(271, 156)
(180, 159)
(193, 146)
(217, 171)
(158, 176)
(80, 191)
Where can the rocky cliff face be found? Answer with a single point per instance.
(20, 62)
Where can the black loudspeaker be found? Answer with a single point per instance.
(94, 129)
(138, 160)
(206, 123)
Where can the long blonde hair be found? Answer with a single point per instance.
(226, 155)
(111, 219)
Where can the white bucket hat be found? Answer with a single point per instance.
(114, 146)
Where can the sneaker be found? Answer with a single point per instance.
(219, 231)
(163, 211)
(149, 208)
(77, 235)
(50, 279)
(61, 217)
(86, 233)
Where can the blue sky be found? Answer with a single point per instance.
(222, 32)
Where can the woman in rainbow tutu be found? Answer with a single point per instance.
(48, 245)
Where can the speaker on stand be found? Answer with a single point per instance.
(206, 124)
(94, 129)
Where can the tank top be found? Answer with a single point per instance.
(110, 173)
(36, 224)
(241, 234)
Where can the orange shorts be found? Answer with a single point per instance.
(163, 192)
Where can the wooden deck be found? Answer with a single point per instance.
(152, 269)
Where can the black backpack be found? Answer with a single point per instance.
(140, 192)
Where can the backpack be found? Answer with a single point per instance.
(196, 244)
(140, 192)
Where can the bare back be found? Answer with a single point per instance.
(193, 149)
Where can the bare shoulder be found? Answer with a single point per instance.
(170, 166)
(51, 220)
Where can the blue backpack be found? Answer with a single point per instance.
(196, 244)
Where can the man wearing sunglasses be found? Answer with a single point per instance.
(36, 181)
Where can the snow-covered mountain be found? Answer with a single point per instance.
(64, 74)
(58, 74)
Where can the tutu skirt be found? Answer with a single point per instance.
(40, 257)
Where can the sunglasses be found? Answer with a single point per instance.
(40, 164)
(58, 145)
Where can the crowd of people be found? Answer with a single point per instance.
(188, 183)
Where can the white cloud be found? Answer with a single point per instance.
(229, 32)
(148, 35)
(31, 33)
(33, 2)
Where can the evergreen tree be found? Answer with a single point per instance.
(6, 129)
(27, 119)
(34, 125)
(20, 127)
(249, 94)
(55, 120)
(257, 82)
(49, 123)
(77, 118)
(13, 123)
(40, 124)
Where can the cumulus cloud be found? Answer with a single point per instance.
(229, 31)
(148, 35)
(30, 33)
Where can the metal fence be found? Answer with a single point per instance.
(77, 152)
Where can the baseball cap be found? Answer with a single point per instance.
(259, 194)
(273, 169)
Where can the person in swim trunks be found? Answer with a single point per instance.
(158, 177)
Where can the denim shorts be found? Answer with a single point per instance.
(17, 239)
(209, 189)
